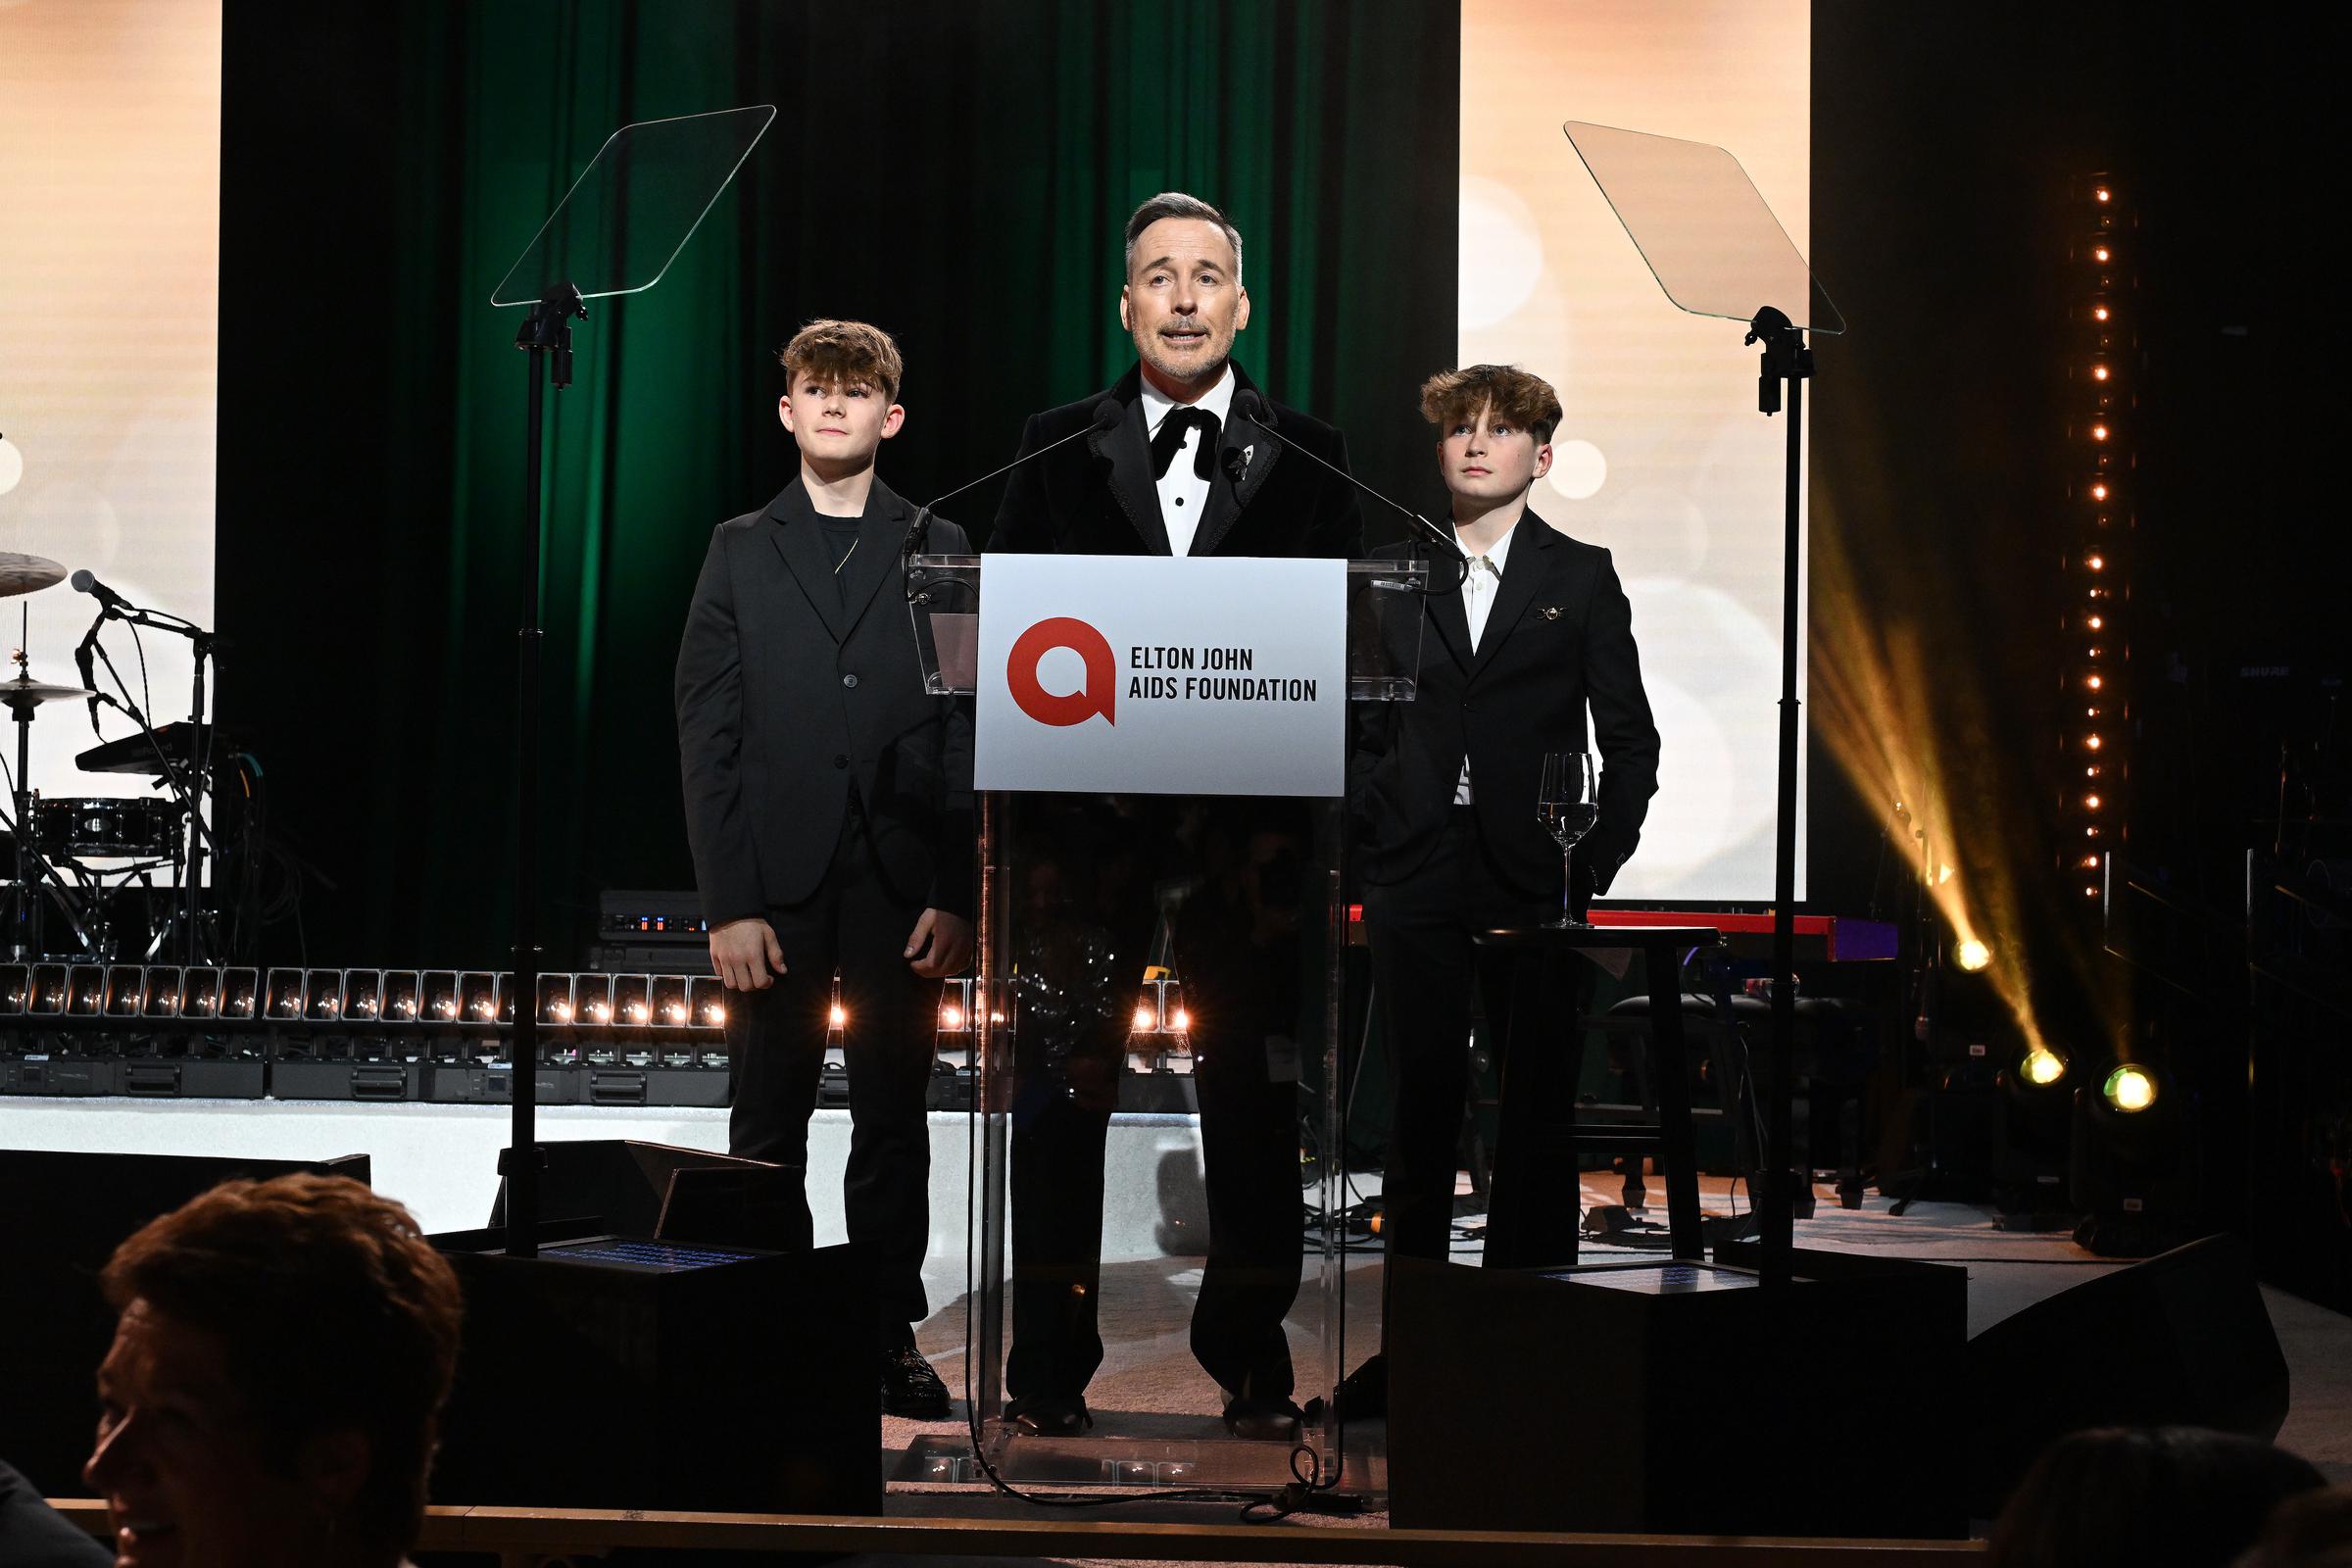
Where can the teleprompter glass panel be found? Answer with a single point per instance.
(635, 206)
(1703, 227)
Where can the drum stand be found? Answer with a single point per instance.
(189, 914)
(26, 902)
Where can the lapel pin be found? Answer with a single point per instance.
(1550, 611)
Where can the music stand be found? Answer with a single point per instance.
(1715, 248)
(616, 231)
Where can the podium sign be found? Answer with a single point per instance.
(1163, 676)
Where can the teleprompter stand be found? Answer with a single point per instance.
(616, 232)
(1717, 250)
(1742, 1369)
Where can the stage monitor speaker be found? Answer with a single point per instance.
(611, 1373)
(631, 1188)
(2181, 1340)
(64, 1216)
(1665, 1396)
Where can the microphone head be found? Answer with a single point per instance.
(1109, 412)
(1247, 405)
(83, 581)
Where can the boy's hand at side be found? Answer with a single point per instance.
(942, 944)
(744, 952)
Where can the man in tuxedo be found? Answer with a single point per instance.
(828, 803)
(1444, 787)
(1179, 472)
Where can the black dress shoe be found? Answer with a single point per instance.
(909, 1388)
(1049, 1415)
(1263, 1420)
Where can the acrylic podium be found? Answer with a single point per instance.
(1141, 953)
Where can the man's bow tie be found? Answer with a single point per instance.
(1171, 437)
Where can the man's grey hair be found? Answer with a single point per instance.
(1176, 203)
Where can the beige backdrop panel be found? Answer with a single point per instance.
(1662, 456)
(110, 259)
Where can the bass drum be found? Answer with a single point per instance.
(108, 827)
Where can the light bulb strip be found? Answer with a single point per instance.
(2099, 434)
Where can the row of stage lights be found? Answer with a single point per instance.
(2096, 587)
(424, 999)
(447, 1000)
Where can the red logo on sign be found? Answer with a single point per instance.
(1047, 708)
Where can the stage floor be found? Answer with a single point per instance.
(1149, 1386)
(440, 1159)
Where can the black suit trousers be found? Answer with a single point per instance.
(1424, 966)
(776, 1050)
(1086, 872)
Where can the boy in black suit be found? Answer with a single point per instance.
(1444, 786)
(828, 803)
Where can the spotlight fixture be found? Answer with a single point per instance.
(166, 985)
(2042, 1066)
(2129, 1088)
(402, 995)
(554, 998)
(706, 998)
(1972, 954)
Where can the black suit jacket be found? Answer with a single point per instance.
(1559, 638)
(1097, 497)
(787, 700)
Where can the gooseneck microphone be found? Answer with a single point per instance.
(1249, 405)
(1107, 413)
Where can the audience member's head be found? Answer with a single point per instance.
(281, 1359)
(2176, 1495)
(2310, 1530)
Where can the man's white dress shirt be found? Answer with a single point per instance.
(1182, 492)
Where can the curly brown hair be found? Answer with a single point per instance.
(1527, 401)
(333, 1310)
(844, 354)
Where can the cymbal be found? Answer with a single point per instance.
(19, 690)
(21, 573)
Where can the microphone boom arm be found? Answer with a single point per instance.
(1252, 407)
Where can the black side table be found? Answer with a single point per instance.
(1529, 1226)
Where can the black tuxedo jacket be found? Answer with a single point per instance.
(1097, 497)
(793, 690)
(1559, 637)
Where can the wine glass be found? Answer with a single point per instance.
(1568, 804)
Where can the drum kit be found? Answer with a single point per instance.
(71, 859)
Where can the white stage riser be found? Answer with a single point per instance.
(442, 1160)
